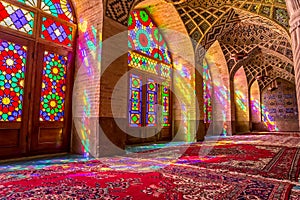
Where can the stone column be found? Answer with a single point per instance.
(293, 7)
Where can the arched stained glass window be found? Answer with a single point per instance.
(145, 37)
(36, 47)
(60, 29)
(32, 3)
(148, 54)
(58, 8)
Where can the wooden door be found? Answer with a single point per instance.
(150, 109)
(165, 112)
(155, 115)
(52, 101)
(15, 75)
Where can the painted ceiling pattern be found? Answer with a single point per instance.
(275, 67)
(202, 15)
(256, 27)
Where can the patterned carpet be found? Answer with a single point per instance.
(239, 167)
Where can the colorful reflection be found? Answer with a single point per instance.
(266, 117)
(184, 82)
(240, 100)
(222, 100)
(216, 64)
(255, 109)
(41, 163)
(85, 131)
(89, 52)
(207, 93)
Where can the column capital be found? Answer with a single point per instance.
(295, 20)
(293, 8)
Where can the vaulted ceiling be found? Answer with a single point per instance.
(257, 27)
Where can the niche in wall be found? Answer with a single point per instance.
(281, 105)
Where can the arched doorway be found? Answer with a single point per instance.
(150, 64)
(36, 56)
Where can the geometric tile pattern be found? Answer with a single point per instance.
(275, 67)
(226, 23)
(199, 20)
(238, 25)
(272, 9)
(119, 10)
(246, 33)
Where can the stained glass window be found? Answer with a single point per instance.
(56, 32)
(165, 98)
(16, 18)
(32, 3)
(151, 113)
(149, 53)
(143, 63)
(135, 101)
(12, 68)
(165, 71)
(207, 93)
(58, 8)
(53, 87)
(146, 64)
(145, 37)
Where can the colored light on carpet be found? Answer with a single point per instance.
(172, 182)
(202, 170)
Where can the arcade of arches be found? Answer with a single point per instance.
(122, 73)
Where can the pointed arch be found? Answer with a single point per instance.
(221, 121)
(241, 101)
(255, 105)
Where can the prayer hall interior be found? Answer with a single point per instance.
(149, 99)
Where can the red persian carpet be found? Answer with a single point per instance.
(95, 180)
(267, 161)
(226, 169)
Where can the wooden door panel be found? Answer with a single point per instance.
(149, 132)
(52, 103)
(50, 136)
(150, 135)
(15, 74)
(9, 138)
(165, 134)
